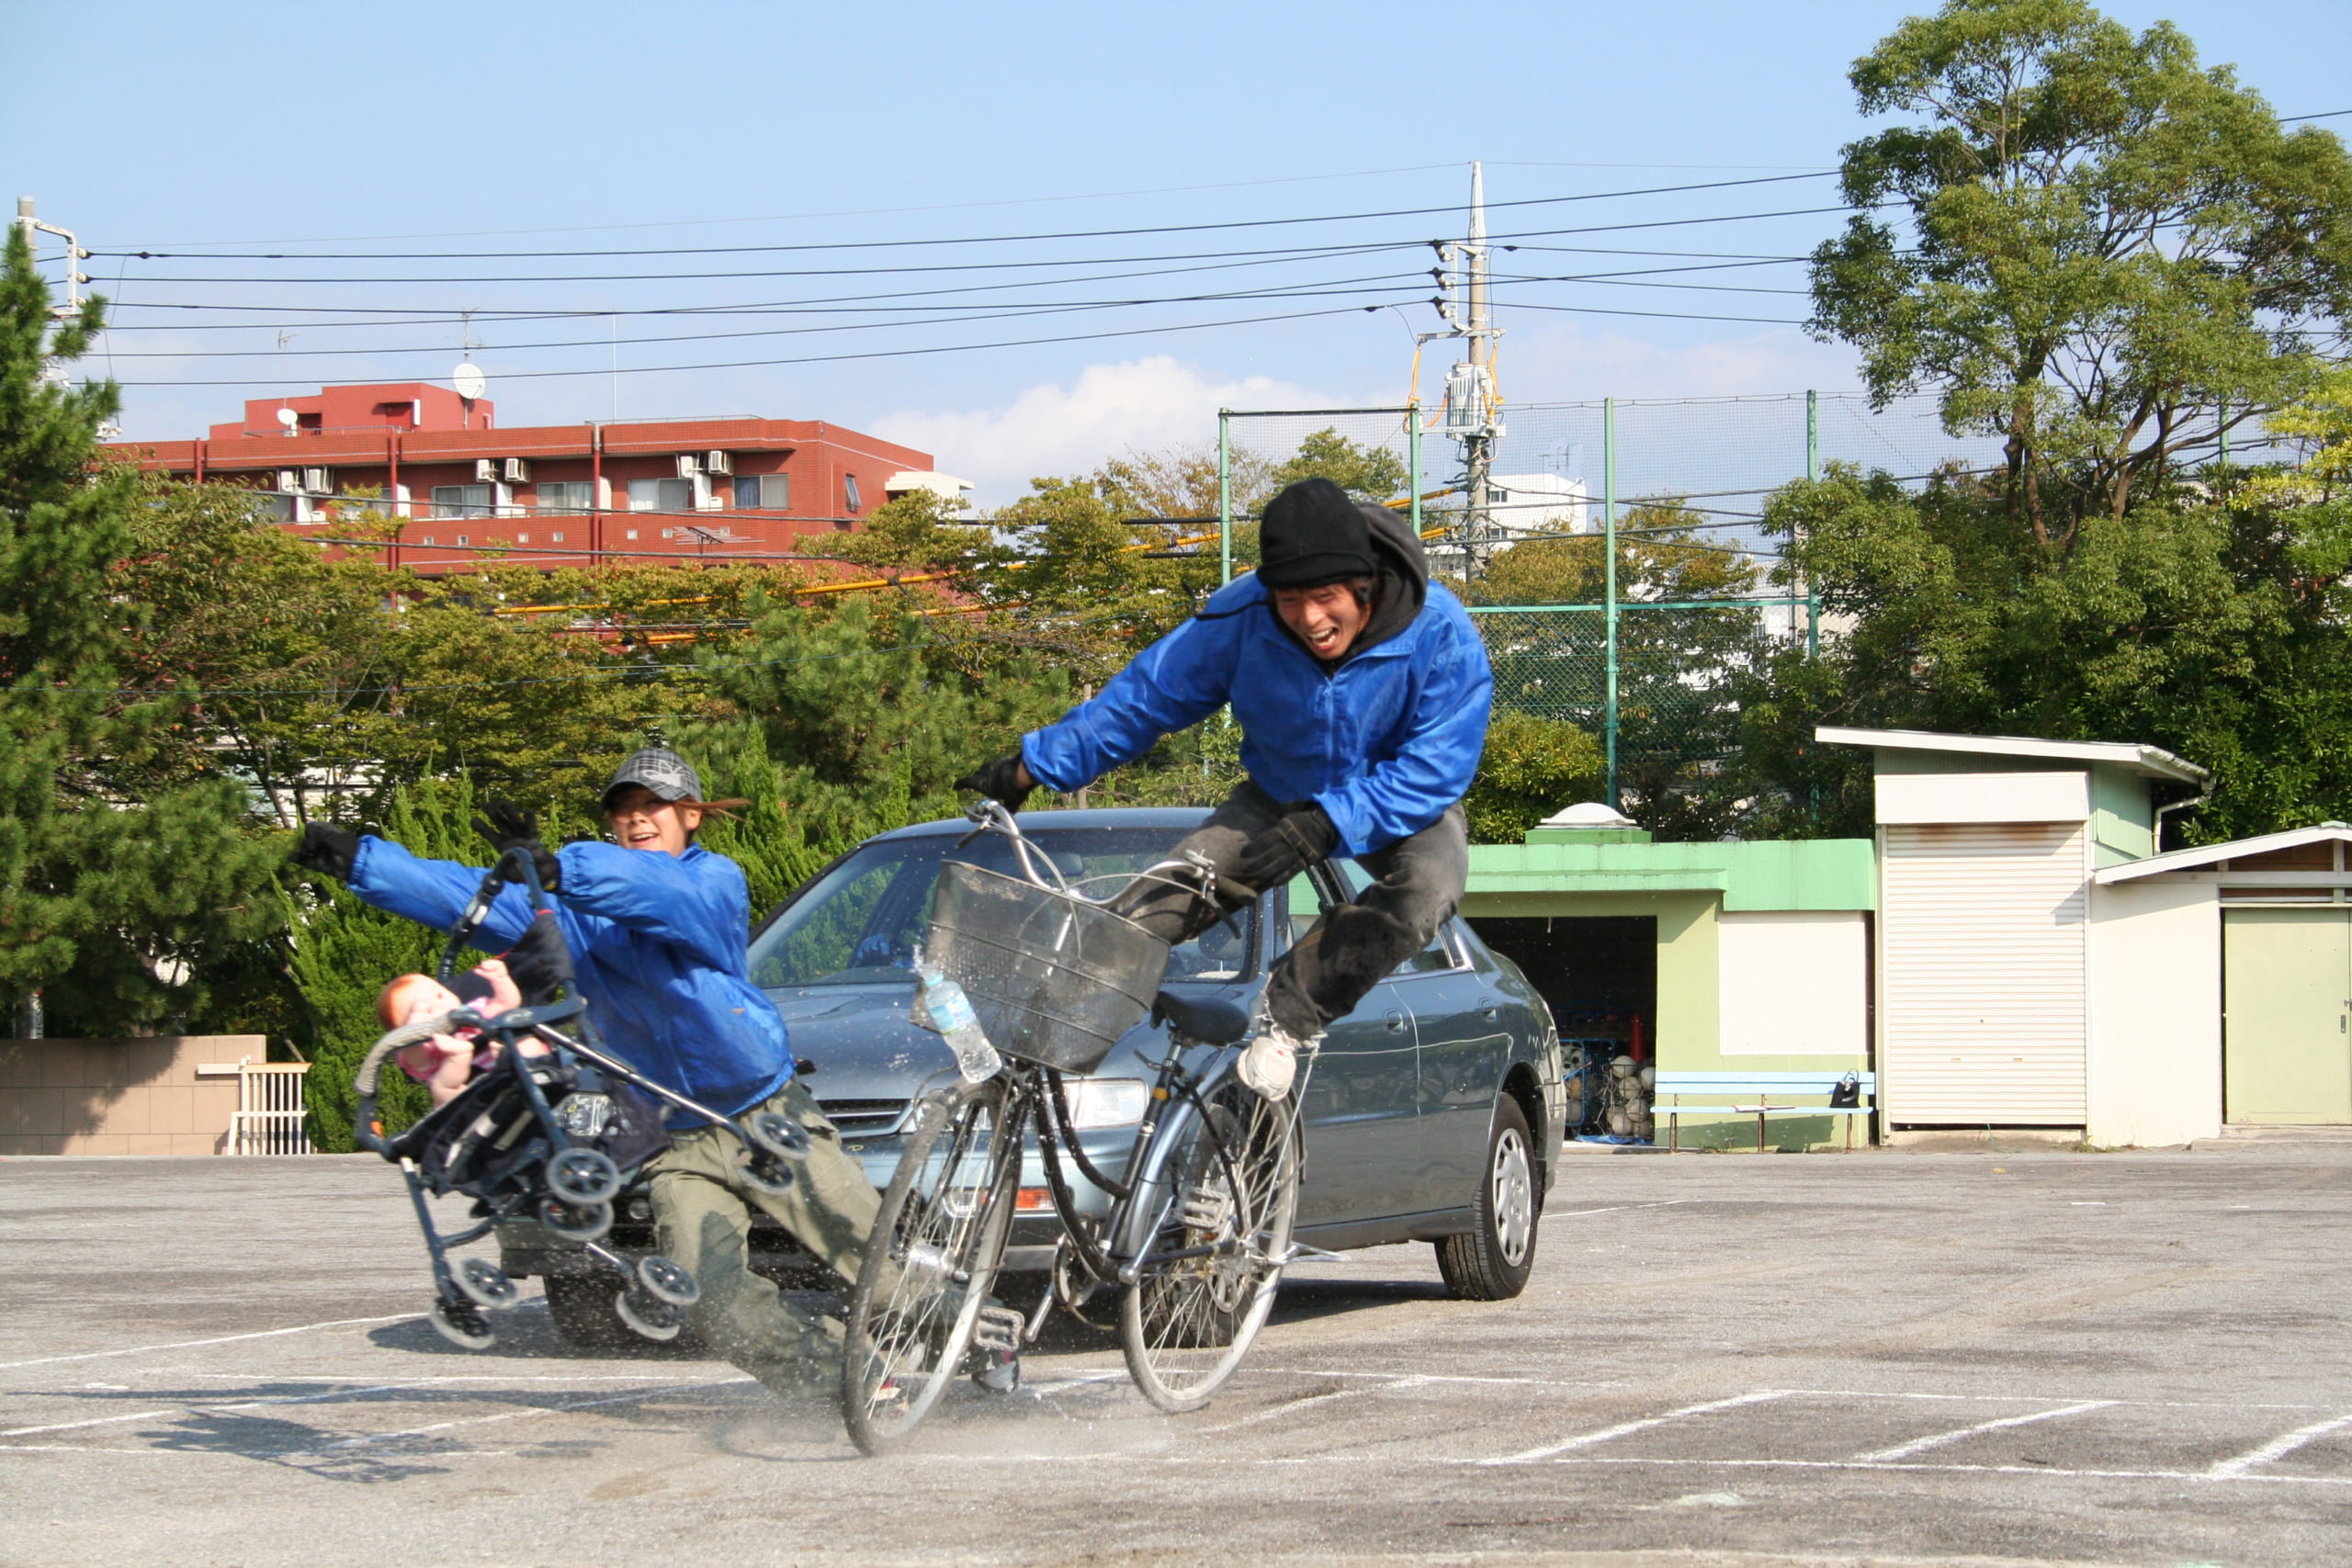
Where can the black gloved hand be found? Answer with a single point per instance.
(1303, 837)
(508, 827)
(540, 965)
(326, 848)
(1000, 781)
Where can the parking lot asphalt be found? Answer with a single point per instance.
(1881, 1357)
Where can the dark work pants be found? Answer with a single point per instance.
(1417, 885)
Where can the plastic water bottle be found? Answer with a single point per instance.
(946, 1009)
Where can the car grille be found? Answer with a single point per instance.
(865, 1118)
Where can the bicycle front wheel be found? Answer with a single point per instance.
(1227, 1192)
(929, 1262)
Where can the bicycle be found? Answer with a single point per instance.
(1198, 1227)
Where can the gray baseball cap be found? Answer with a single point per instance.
(658, 769)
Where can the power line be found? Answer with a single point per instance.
(968, 240)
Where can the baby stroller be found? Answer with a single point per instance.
(551, 1130)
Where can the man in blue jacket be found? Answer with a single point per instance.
(1362, 690)
(658, 928)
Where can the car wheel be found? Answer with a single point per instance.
(582, 1305)
(1490, 1262)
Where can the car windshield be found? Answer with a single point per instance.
(860, 923)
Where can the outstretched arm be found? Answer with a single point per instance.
(434, 892)
(1177, 681)
(697, 901)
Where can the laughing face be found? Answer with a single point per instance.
(643, 820)
(1327, 619)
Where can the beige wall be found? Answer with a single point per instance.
(2156, 1013)
(119, 1097)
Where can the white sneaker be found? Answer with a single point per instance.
(1270, 1063)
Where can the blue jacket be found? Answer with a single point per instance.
(657, 942)
(1384, 741)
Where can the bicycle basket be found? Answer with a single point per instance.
(1054, 978)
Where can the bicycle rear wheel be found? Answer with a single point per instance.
(1228, 1193)
(929, 1262)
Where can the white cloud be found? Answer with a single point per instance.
(1571, 363)
(1053, 429)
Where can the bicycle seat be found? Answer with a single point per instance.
(1212, 1021)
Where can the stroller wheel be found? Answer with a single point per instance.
(764, 1174)
(647, 1316)
(575, 1221)
(583, 1176)
(667, 1281)
(486, 1284)
(776, 1135)
(461, 1323)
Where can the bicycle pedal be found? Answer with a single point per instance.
(999, 1329)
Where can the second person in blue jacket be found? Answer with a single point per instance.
(1363, 691)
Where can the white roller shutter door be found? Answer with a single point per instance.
(1984, 983)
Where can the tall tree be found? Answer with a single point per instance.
(112, 888)
(2106, 253)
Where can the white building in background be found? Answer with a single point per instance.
(1524, 504)
(956, 492)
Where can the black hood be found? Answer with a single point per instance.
(1404, 580)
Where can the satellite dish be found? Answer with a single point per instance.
(288, 418)
(469, 380)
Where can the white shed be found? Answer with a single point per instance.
(1990, 958)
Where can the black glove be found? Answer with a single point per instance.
(540, 964)
(327, 848)
(508, 827)
(1000, 781)
(1303, 837)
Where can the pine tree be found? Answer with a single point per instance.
(113, 890)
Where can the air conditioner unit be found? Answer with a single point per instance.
(289, 481)
(717, 463)
(485, 470)
(318, 481)
(517, 470)
(688, 465)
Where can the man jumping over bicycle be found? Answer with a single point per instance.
(1363, 692)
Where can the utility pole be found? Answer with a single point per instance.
(1473, 407)
(75, 256)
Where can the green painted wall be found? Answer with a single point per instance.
(1819, 874)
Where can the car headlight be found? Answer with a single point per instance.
(1107, 1102)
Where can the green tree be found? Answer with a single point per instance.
(113, 886)
(2105, 249)
(1531, 767)
(1366, 472)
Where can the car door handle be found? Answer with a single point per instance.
(1396, 1022)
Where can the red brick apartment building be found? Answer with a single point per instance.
(547, 495)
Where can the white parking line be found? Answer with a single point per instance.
(2277, 1447)
(1937, 1441)
(76, 1426)
(1255, 1416)
(1617, 1209)
(368, 1437)
(192, 1344)
(2061, 1471)
(1627, 1428)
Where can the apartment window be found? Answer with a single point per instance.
(461, 539)
(661, 495)
(849, 493)
(426, 540)
(770, 492)
(557, 537)
(566, 495)
(632, 533)
(461, 500)
(526, 538)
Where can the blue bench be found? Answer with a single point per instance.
(1767, 1094)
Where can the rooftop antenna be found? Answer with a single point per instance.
(467, 379)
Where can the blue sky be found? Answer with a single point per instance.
(463, 128)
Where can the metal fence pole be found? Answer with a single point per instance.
(1609, 575)
(1413, 464)
(1224, 495)
(1812, 471)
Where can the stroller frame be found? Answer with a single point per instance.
(569, 1188)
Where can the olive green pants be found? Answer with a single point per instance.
(702, 1212)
